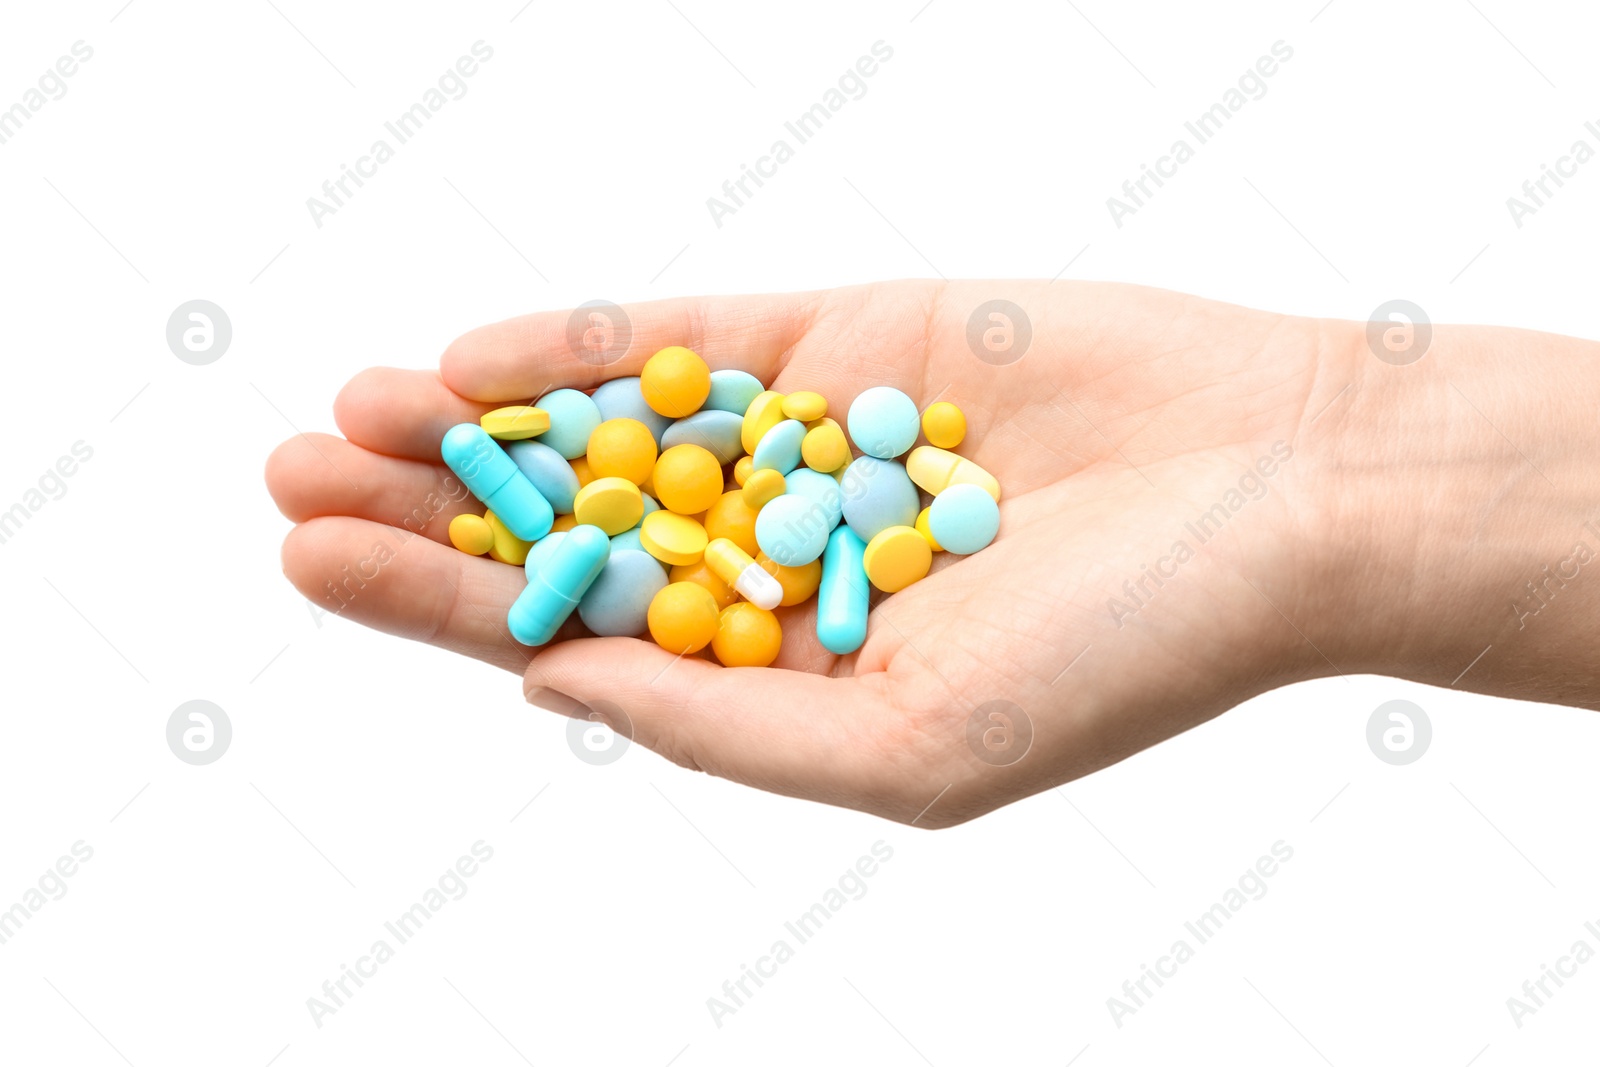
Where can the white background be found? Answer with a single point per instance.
(219, 898)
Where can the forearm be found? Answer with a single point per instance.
(1458, 513)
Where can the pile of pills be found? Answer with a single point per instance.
(689, 503)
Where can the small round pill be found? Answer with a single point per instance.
(618, 603)
(877, 494)
(792, 530)
(799, 583)
(687, 479)
(613, 504)
(732, 390)
(471, 534)
(717, 432)
(742, 469)
(779, 448)
(944, 425)
(573, 417)
(822, 488)
(764, 412)
(507, 547)
(515, 423)
(683, 617)
(824, 447)
(747, 636)
(805, 406)
(762, 487)
(883, 422)
(622, 448)
(896, 557)
(672, 538)
(675, 382)
(925, 531)
(700, 574)
(964, 518)
(733, 518)
(623, 398)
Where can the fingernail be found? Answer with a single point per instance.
(558, 702)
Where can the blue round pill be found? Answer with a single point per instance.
(548, 470)
(821, 488)
(714, 430)
(573, 417)
(779, 447)
(964, 519)
(622, 398)
(878, 494)
(732, 390)
(792, 530)
(618, 603)
(883, 422)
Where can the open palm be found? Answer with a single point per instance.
(1125, 417)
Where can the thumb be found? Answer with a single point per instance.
(779, 730)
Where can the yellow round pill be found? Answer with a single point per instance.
(824, 447)
(515, 423)
(747, 636)
(613, 504)
(799, 583)
(764, 412)
(732, 518)
(622, 448)
(927, 531)
(563, 523)
(897, 557)
(507, 547)
(683, 616)
(675, 382)
(761, 488)
(580, 467)
(741, 469)
(701, 575)
(804, 407)
(673, 539)
(687, 479)
(944, 425)
(471, 534)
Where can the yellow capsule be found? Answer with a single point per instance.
(675, 382)
(613, 504)
(926, 531)
(472, 534)
(683, 616)
(733, 565)
(824, 447)
(804, 406)
(622, 448)
(897, 557)
(764, 412)
(507, 546)
(800, 584)
(741, 469)
(944, 424)
(732, 518)
(673, 539)
(747, 636)
(515, 423)
(687, 479)
(935, 470)
(761, 488)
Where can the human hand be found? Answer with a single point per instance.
(1132, 412)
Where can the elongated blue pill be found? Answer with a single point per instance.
(842, 597)
(559, 582)
(492, 476)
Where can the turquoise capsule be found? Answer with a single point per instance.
(842, 597)
(491, 475)
(557, 585)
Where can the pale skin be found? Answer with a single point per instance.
(1397, 538)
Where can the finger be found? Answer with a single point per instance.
(316, 475)
(408, 586)
(401, 413)
(804, 735)
(529, 355)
